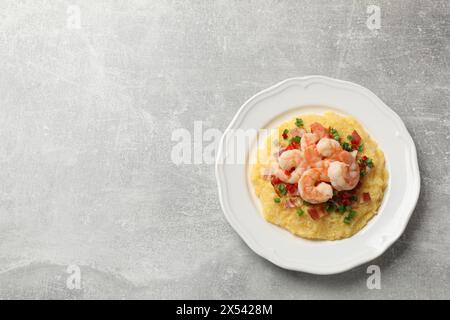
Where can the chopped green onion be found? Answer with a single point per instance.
(367, 161)
(341, 209)
(277, 200)
(349, 138)
(300, 212)
(350, 216)
(362, 173)
(299, 122)
(347, 147)
(335, 134)
(296, 139)
(282, 189)
(360, 148)
(331, 206)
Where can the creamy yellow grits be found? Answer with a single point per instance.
(331, 226)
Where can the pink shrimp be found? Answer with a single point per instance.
(290, 166)
(308, 139)
(297, 132)
(344, 171)
(287, 177)
(311, 156)
(290, 159)
(312, 187)
(319, 130)
(328, 147)
(344, 156)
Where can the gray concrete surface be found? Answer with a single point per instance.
(86, 116)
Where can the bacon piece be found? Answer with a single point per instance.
(346, 195)
(292, 203)
(346, 202)
(275, 180)
(366, 197)
(292, 188)
(316, 212)
(356, 138)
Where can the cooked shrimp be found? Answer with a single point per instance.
(311, 156)
(319, 130)
(343, 176)
(297, 132)
(308, 139)
(312, 188)
(323, 166)
(327, 147)
(344, 156)
(290, 159)
(292, 177)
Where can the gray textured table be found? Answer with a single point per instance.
(91, 93)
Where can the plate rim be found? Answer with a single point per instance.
(268, 254)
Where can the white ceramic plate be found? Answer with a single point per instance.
(316, 94)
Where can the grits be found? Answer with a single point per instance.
(330, 226)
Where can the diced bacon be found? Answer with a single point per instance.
(292, 203)
(275, 180)
(346, 195)
(316, 212)
(313, 213)
(366, 197)
(292, 188)
(356, 138)
(293, 145)
(346, 202)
